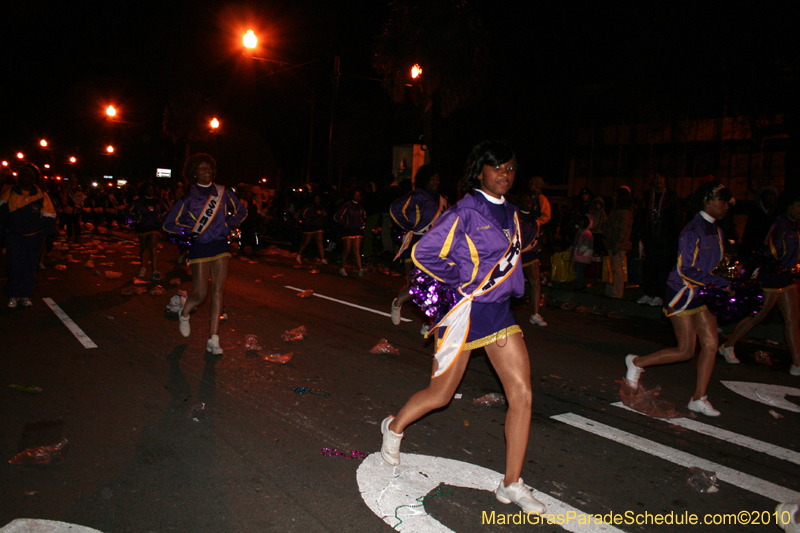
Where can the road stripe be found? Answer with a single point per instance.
(347, 303)
(729, 475)
(728, 436)
(72, 326)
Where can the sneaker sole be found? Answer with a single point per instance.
(386, 457)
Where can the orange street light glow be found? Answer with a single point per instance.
(110, 149)
(214, 123)
(46, 165)
(20, 155)
(43, 143)
(72, 159)
(416, 71)
(110, 111)
(5, 163)
(250, 40)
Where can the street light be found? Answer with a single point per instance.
(250, 40)
(4, 163)
(214, 124)
(416, 71)
(72, 159)
(110, 149)
(43, 143)
(20, 155)
(110, 111)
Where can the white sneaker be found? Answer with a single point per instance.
(538, 320)
(362, 272)
(390, 449)
(788, 517)
(703, 406)
(25, 302)
(656, 302)
(424, 330)
(212, 345)
(521, 495)
(396, 313)
(142, 272)
(342, 272)
(794, 370)
(299, 259)
(13, 302)
(644, 300)
(183, 325)
(632, 376)
(727, 353)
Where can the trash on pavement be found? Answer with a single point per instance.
(106, 264)
(175, 281)
(383, 346)
(297, 334)
(158, 290)
(493, 398)
(775, 414)
(352, 454)
(177, 302)
(42, 455)
(763, 357)
(24, 388)
(305, 294)
(223, 318)
(251, 342)
(89, 264)
(61, 267)
(647, 401)
(702, 480)
(137, 281)
(198, 412)
(278, 358)
(110, 274)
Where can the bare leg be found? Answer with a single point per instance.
(510, 361)
(219, 273)
(744, 327)
(438, 394)
(200, 273)
(357, 250)
(706, 327)
(789, 304)
(403, 296)
(153, 250)
(347, 245)
(320, 248)
(143, 243)
(686, 332)
(306, 241)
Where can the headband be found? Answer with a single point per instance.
(713, 192)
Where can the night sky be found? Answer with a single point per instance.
(62, 63)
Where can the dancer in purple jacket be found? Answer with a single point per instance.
(476, 248)
(206, 214)
(700, 249)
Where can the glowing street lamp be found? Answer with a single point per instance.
(110, 111)
(110, 149)
(46, 165)
(4, 163)
(20, 155)
(72, 159)
(250, 40)
(214, 124)
(416, 71)
(43, 143)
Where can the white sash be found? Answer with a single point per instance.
(409, 234)
(209, 211)
(456, 321)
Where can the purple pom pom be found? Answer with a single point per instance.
(432, 296)
(746, 302)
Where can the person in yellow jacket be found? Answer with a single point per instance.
(26, 216)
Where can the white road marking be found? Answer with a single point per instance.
(395, 489)
(348, 303)
(27, 525)
(728, 436)
(729, 475)
(772, 395)
(72, 326)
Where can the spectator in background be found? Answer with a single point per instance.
(540, 213)
(618, 239)
(759, 220)
(657, 225)
(312, 223)
(582, 250)
(598, 211)
(351, 218)
(147, 213)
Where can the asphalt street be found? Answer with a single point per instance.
(164, 437)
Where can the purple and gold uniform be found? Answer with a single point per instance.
(147, 214)
(783, 243)
(25, 218)
(352, 218)
(208, 213)
(313, 218)
(700, 249)
(475, 247)
(416, 213)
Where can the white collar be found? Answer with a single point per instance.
(708, 217)
(204, 186)
(498, 201)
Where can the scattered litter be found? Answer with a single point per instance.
(94, 256)
(223, 318)
(110, 274)
(110, 317)
(383, 346)
(775, 414)
(175, 281)
(106, 264)
(128, 291)
(198, 412)
(315, 392)
(702, 480)
(251, 342)
(306, 293)
(135, 263)
(774, 343)
(278, 358)
(457, 396)
(297, 334)
(139, 290)
(31, 493)
(352, 454)
(158, 290)
(61, 267)
(177, 302)
(137, 281)
(647, 402)
(568, 306)
(313, 271)
(71, 259)
(29, 390)
(278, 276)
(257, 280)
(763, 357)
(582, 309)
(89, 264)
(493, 398)
(42, 455)
(466, 423)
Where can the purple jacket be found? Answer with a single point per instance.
(184, 214)
(783, 241)
(146, 213)
(415, 210)
(351, 216)
(699, 252)
(464, 247)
